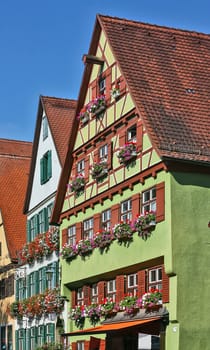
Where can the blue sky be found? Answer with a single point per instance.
(42, 43)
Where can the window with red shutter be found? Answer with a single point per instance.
(78, 231)
(141, 282)
(71, 235)
(132, 284)
(115, 214)
(87, 168)
(165, 288)
(101, 291)
(64, 236)
(160, 195)
(87, 296)
(155, 278)
(97, 222)
(139, 136)
(73, 298)
(135, 205)
(111, 289)
(120, 288)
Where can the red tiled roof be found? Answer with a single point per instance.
(168, 74)
(60, 113)
(15, 159)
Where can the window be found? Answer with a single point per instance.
(155, 278)
(103, 153)
(33, 337)
(149, 200)
(45, 127)
(21, 288)
(49, 212)
(2, 288)
(10, 286)
(80, 345)
(126, 210)
(81, 167)
(71, 235)
(50, 333)
(88, 228)
(21, 339)
(41, 335)
(33, 223)
(111, 289)
(41, 221)
(80, 296)
(94, 293)
(9, 337)
(132, 283)
(102, 86)
(3, 337)
(52, 275)
(106, 219)
(46, 167)
(131, 134)
(32, 286)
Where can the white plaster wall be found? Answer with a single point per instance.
(41, 192)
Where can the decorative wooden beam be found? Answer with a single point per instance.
(92, 60)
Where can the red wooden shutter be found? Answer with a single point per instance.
(74, 167)
(102, 344)
(94, 89)
(122, 138)
(74, 346)
(87, 168)
(97, 222)
(86, 344)
(94, 343)
(64, 236)
(160, 205)
(78, 231)
(122, 85)
(86, 291)
(120, 288)
(108, 82)
(110, 154)
(101, 292)
(73, 298)
(96, 156)
(135, 205)
(165, 286)
(139, 136)
(115, 214)
(141, 282)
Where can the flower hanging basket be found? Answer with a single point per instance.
(127, 152)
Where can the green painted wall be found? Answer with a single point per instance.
(190, 194)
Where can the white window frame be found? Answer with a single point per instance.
(71, 234)
(131, 134)
(103, 153)
(80, 296)
(106, 219)
(88, 228)
(102, 86)
(157, 282)
(126, 210)
(149, 200)
(81, 167)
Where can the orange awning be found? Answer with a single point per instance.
(112, 327)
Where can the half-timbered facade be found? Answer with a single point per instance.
(138, 166)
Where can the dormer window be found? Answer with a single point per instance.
(45, 127)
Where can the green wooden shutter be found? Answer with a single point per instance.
(28, 286)
(16, 341)
(57, 273)
(44, 279)
(28, 227)
(49, 164)
(42, 171)
(17, 290)
(36, 218)
(46, 222)
(36, 279)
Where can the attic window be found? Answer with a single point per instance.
(44, 127)
(190, 91)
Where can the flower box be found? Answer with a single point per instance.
(85, 247)
(97, 106)
(123, 232)
(103, 239)
(115, 93)
(144, 224)
(127, 152)
(77, 185)
(99, 170)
